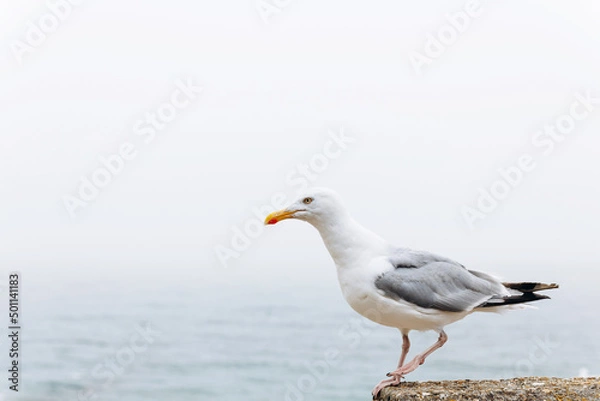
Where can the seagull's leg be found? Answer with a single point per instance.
(405, 348)
(395, 376)
(392, 381)
(419, 359)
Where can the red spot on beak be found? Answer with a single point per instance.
(273, 221)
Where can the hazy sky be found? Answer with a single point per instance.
(421, 145)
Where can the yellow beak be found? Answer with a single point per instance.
(276, 217)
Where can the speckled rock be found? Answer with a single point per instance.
(519, 389)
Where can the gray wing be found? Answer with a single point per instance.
(434, 282)
(403, 257)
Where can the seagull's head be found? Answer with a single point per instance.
(318, 205)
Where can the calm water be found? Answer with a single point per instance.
(266, 343)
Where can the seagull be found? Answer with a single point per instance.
(401, 287)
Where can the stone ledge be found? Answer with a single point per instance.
(518, 389)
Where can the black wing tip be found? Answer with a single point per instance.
(530, 286)
(516, 299)
(528, 290)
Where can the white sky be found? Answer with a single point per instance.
(424, 144)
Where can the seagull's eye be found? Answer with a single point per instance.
(307, 201)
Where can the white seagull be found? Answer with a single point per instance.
(400, 287)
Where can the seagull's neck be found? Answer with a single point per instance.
(347, 240)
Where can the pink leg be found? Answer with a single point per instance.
(393, 380)
(405, 348)
(399, 373)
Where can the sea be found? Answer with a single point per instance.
(275, 340)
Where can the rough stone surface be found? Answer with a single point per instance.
(519, 389)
